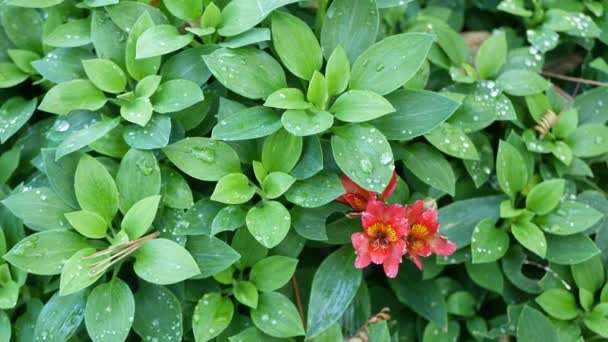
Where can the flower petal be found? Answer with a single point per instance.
(391, 264)
(429, 219)
(414, 211)
(361, 245)
(416, 260)
(395, 216)
(420, 247)
(390, 188)
(378, 255)
(358, 202)
(442, 246)
(353, 188)
(373, 213)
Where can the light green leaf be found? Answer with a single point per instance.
(149, 321)
(95, 188)
(281, 151)
(510, 169)
(60, 317)
(589, 140)
(364, 155)
(317, 90)
(70, 95)
(138, 111)
(44, 253)
(276, 183)
(175, 95)
(40, 208)
(11, 75)
(88, 223)
(138, 177)
(273, 272)
(211, 254)
(533, 326)
(451, 140)
(71, 34)
(306, 123)
(531, 237)
(521, 82)
(203, 158)
(491, 55)
(388, 64)
(315, 191)
(558, 303)
(277, 316)
(241, 15)
(228, 218)
(268, 222)
(162, 261)
(545, 196)
(75, 275)
(211, 317)
(160, 40)
(488, 243)
(233, 188)
(85, 136)
(360, 106)
(139, 217)
(14, 113)
(249, 123)
(109, 312)
(287, 98)
(185, 9)
(246, 293)
(337, 71)
(570, 218)
(105, 75)
(140, 68)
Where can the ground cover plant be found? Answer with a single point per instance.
(261, 170)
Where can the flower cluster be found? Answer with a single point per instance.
(392, 231)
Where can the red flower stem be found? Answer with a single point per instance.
(296, 292)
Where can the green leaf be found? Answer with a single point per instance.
(105, 75)
(60, 317)
(311, 161)
(435, 333)
(70, 95)
(276, 183)
(212, 17)
(313, 192)
(211, 316)
(85, 136)
(305, 123)
(233, 188)
(228, 218)
(71, 34)
(247, 71)
(535, 327)
(138, 177)
(487, 275)
(364, 155)
(510, 169)
(296, 45)
(95, 188)
(597, 320)
(351, 25)
(5, 324)
(246, 293)
(109, 312)
(9, 162)
(589, 275)
(249, 123)
(452, 141)
(162, 261)
(140, 68)
(149, 321)
(571, 249)
(570, 218)
(154, 135)
(360, 106)
(461, 303)
(139, 217)
(488, 243)
(492, 54)
(185, 9)
(417, 112)
(277, 316)
(281, 151)
(558, 303)
(390, 63)
(34, 3)
(521, 82)
(430, 166)
(88, 223)
(211, 254)
(75, 275)
(138, 111)
(176, 192)
(175, 95)
(531, 237)
(585, 298)
(241, 15)
(44, 253)
(545, 196)
(11, 75)
(203, 158)
(273, 272)
(422, 296)
(160, 40)
(15, 19)
(40, 209)
(63, 64)
(317, 90)
(14, 113)
(326, 304)
(287, 98)
(268, 222)
(337, 71)
(589, 140)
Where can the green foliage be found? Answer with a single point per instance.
(169, 170)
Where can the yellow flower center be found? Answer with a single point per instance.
(383, 230)
(418, 231)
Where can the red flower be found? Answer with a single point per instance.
(381, 243)
(358, 197)
(423, 236)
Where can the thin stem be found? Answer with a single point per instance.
(574, 79)
(296, 291)
(549, 270)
